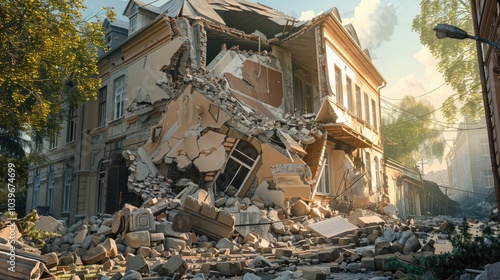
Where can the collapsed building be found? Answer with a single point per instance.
(231, 94)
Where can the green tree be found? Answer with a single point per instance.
(457, 59)
(48, 55)
(410, 133)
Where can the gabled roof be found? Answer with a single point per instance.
(148, 7)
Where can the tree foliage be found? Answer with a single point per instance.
(410, 132)
(457, 59)
(48, 55)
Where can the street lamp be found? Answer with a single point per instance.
(450, 31)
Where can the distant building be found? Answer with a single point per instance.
(468, 162)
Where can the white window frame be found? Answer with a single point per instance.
(348, 89)
(36, 189)
(488, 179)
(241, 164)
(338, 85)
(119, 97)
(67, 190)
(134, 23)
(324, 182)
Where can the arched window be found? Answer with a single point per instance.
(100, 188)
(369, 171)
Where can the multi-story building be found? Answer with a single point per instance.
(485, 15)
(468, 162)
(228, 94)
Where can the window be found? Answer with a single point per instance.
(488, 179)
(119, 104)
(36, 188)
(102, 107)
(71, 126)
(324, 183)
(241, 161)
(374, 115)
(100, 188)
(359, 107)
(367, 109)
(51, 183)
(338, 86)
(133, 24)
(369, 172)
(348, 87)
(67, 190)
(377, 172)
(485, 148)
(53, 141)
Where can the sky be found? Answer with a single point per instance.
(384, 28)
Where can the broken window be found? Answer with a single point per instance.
(367, 109)
(100, 188)
(102, 107)
(324, 183)
(71, 126)
(51, 184)
(67, 190)
(374, 115)
(241, 161)
(359, 111)
(348, 87)
(338, 86)
(36, 188)
(119, 97)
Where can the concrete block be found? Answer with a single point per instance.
(232, 268)
(137, 263)
(110, 245)
(209, 211)
(94, 255)
(382, 262)
(368, 263)
(144, 251)
(81, 236)
(328, 256)
(174, 265)
(142, 219)
(226, 218)
(174, 243)
(225, 243)
(369, 221)
(412, 245)
(49, 224)
(137, 239)
(383, 248)
(167, 229)
(300, 208)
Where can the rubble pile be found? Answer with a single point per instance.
(162, 238)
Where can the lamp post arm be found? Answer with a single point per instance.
(486, 41)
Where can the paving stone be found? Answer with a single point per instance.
(412, 245)
(383, 247)
(174, 243)
(382, 262)
(131, 275)
(328, 256)
(368, 263)
(110, 245)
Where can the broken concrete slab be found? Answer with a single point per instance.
(332, 227)
(370, 221)
(49, 224)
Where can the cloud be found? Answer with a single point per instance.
(307, 15)
(374, 22)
